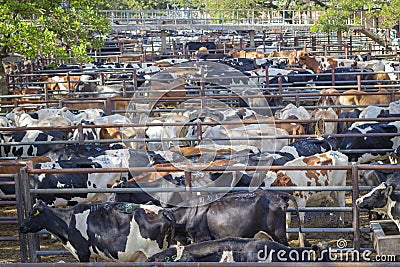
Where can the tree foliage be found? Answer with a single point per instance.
(49, 28)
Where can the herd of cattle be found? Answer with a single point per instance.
(208, 226)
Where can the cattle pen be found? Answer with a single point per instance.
(139, 86)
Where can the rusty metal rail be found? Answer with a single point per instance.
(27, 193)
(203, 264)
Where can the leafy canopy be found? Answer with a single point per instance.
(51, 28)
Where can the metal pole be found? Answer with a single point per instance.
(356, 211)
(202, 89)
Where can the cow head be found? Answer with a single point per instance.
(159, 227)
(377, 198)
(36, 219)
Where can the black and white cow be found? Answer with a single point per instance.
(236, 214)
(109, 231)
(308, 147)
(120, 158)
(76, 180)
(377, 176)
(11, 147)
(371, 142)
(240, 250)
(384, 200)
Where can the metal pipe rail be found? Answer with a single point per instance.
(199, 264)
(26, 192)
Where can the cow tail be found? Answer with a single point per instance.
(293, 199)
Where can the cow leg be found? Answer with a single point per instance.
(340, 201)
(288, 221)
(140, 257)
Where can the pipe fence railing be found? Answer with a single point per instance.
(227, 16)
(30, 245)
(199, 133)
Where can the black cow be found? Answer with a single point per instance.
(32, 136)
(294, 78)
(176, 180)
(72, 151)
(384, 200)
(240, 250)
(343, 76)
(308, 147)
(210, 56)
(194, 46)
(344, 125)
(241, 64)
(238, 214)
(371, 143)
(109, 231)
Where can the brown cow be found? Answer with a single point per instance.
(15, 165)
(246, 54)
(60, 83)
(327, 99)
(355, 97)
(319, 64)
(153, 176)
(175, 89)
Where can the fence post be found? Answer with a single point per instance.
(134, 80)
(81, 135)
(188, 183)
(33, 239)
(20, 216)
(202, 89)
(356, 211)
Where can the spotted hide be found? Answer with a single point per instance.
(382, 199)
(349, 145)
(120, 158)
(110, 231)
(313, 178)
(15, 149)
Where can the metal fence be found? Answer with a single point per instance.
(30, 244)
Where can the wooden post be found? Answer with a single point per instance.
(134, 80)
(252, 43)
(33, 239)
(20, 216)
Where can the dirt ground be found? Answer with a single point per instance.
(9, 250)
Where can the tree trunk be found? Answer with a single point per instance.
(3, 86)
(339, 37)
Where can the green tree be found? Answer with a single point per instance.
(50, 29)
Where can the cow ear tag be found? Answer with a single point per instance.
(36, 213)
